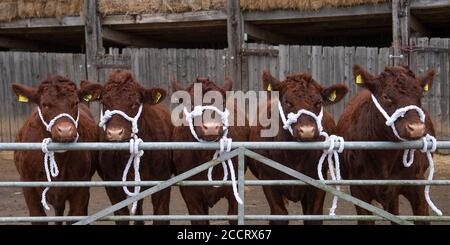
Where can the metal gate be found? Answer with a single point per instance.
(241, 150)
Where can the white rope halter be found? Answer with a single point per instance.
(198, 111)
(50, 166)
(330, 153)
(135, 153)
(427, 139)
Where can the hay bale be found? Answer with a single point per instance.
(304, 5)
(11, 9)
(8, 10)
(49, 8)
(111, 7)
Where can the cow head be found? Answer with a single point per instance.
(397, 87)
(300, 91)
(212, 129)
(122, 93)
(54, 96)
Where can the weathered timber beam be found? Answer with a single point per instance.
(129, 40)
(31, 45)
(417, 27)
(259, 33)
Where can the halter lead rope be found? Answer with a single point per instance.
(135, 153)
(330, 153)
(409, 153)
(198, 111)
(50, 166)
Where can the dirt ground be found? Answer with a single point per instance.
(12, 202)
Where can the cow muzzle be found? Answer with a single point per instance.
(115, 134)
(64, 132)
(306, 132)
(210, 131)
(415, 130)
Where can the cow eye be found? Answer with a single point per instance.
(386, 98)
(135, 105)
(288, 104)
(318, 104)
(45, 105)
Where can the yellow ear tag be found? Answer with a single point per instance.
(23, 99)
(87, 98)
(158, 96)
(359, 79)
(426, 88)
(269, 88)
(332, 96)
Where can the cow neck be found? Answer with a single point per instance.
(409, 153)
(135, 152)
(331, 154)
(50, 165)
(224, 144)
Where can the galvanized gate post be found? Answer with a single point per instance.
(241, 185)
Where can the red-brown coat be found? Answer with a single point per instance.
(56, 95)
(200, 198)
(298, 91)
(394, 88)
(123, 93)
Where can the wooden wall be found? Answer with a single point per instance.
(156, 67)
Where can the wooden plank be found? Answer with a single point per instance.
(294, 59)
(261, 34)
(349, 61)
(316, 67)
(445, 90)
(130, 40)
(283, 61)
(305, 58)
(326, 76)
(93, 38)
(383, 59)
(435, 91)
(235, 37)
(372, 60)
(338, 76)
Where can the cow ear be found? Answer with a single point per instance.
(175, 86)
(334, 93)
(270, 83)
(24, 93)
(364, 78)
(154, 95)
(228, 84)
(90, 91)
(426, 79)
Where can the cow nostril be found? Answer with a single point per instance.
(415, 129)
(115, 133)
(306, 132)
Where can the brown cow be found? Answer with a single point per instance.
(394, 88)
(123, 93)
(55, 96)
(298, 91)
(200, 198)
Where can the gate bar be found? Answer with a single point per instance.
(106, 146)
(63, 184)
(24, 219)
(160, 186)
(322, 186)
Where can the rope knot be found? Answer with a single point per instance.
(408, 154)
(135, 153)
